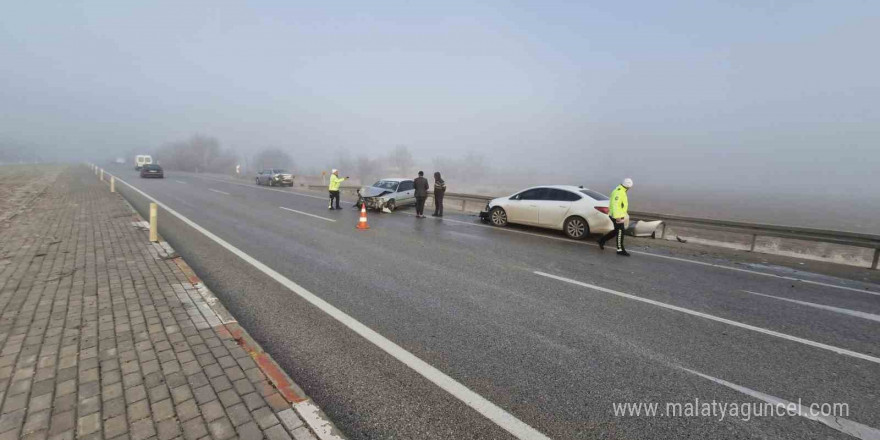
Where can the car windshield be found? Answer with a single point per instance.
(280, 171)
(595, 195)
(386, 184)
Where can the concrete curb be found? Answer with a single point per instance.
(227, 328)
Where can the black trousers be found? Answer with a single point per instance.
(618, 231)
(438, 204)
(334, 195)
(420, 205)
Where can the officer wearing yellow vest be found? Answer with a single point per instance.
(617, 211)
(335, 181)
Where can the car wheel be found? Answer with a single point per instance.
(391, 205)
(498, 216)
(576, 228)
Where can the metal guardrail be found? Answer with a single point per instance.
(471, 202)
(767, 230)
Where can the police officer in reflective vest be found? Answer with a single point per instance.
(335, 181)
(617, 211)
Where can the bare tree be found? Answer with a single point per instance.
(343, 162)
(274, 158)
(367, 169)
(401, 159)
(198, 153)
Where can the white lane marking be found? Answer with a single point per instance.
(218, 191)
(180, 181)
(783, 277)
(260, 188)
(496, 414)
(684, 260)
(306, 213)
(765, 331)
(857, 313)
(845, 426)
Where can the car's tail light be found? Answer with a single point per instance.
(602, 209)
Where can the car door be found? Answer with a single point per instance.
(406, 193)
(523, 208)
(555, 206)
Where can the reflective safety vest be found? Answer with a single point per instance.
(618, 204)
(335, 181)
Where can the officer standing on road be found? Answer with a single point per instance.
(439, 192)
(335, 181)
(617, 208)
(421, 186)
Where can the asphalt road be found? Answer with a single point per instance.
(554, 332)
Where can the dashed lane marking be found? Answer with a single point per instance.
(856, 313)
(811, 412)
(765, 331)
(306, 213)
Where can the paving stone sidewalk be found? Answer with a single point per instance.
(101, 336)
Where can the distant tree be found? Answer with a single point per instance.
(274, 158)
(401, 159)
(367, 169)
(474, 166)
(198, 154)
(343, 162)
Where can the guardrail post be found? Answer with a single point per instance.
(96, 170)
(102, 174)
(876, 258)
(113, 184)
(663, 233)
(754, 239)
(154, 233)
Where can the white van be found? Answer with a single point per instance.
(141, 160)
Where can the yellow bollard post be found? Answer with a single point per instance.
(154, 233)
(113, 184)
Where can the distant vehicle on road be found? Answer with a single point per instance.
(120, 161)
(152, 170)
(575, 210)
(274, 177)
(388, 194)
(140, 160)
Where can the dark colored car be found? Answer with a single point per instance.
(274, 177)
(152, 170)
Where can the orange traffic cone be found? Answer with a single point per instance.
(362, 224)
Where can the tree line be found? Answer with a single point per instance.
(205, 154)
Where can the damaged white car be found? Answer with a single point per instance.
(387, 194)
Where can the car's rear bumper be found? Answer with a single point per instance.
(484, 216)
(159, 175)
(601, 224)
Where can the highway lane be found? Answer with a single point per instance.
(556, 355)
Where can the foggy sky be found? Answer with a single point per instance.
(738, 94)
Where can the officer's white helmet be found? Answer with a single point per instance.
(627, 183)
